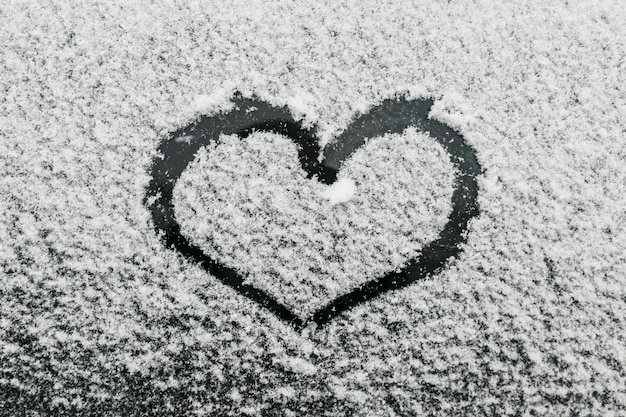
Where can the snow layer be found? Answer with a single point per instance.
(98, 318)
(248, 204)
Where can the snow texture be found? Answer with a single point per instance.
(248, 204)
(98, 318)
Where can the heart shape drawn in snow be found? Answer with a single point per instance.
(249, 115)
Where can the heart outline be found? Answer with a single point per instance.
(393, 115)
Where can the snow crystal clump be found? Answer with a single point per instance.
(341, 191)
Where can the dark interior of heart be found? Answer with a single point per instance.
(249, 115)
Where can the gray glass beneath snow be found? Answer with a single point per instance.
(250, 114)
